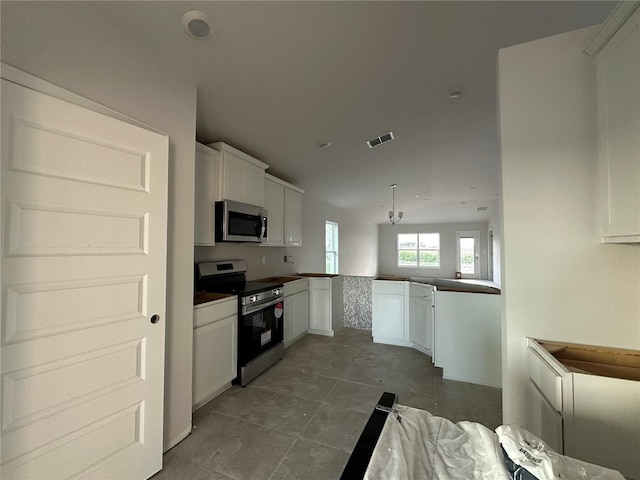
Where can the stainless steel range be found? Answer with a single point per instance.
(260, 314)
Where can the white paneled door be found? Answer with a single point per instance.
(84, 208)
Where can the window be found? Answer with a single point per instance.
(331, 246)
(468, 243)
(418, 249)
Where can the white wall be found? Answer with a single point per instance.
(69, 45)
(252, 254)
(559, 282)
(357, 244)
(387, 252)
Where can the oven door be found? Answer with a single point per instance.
(260, 328)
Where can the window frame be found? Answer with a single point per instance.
(417, 250)
(334, 226)
(475, 234)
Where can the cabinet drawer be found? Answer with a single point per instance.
(420, 291)
(392, 287)
(214, 311)
(297, 286)
(545, 377)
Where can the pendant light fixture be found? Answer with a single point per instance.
(392, 213)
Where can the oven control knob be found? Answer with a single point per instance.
(276, 292)
(252, 298)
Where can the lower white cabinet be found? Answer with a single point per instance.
(585, 402)
(296, 310)
(326, 307)
(390, 322)
(215, 339)
(421, 312)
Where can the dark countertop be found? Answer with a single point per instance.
(279, 279)
(327, 275)
(202, 297)
(449, 284)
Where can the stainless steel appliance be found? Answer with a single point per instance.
(240, 222)
(260, 314)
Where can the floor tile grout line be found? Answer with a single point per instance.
(283, 457)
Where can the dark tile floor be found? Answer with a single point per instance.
(302, 417)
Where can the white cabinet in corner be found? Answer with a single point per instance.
(205, 178)
(618, 100)
(390, 322)
(585, 402)
(326, 304)
(296, 310)
(215, 337)
(421, 315)
(283, 201)
(240, 177)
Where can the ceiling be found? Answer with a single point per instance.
(275, 79)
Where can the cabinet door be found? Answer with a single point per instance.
(293, 217)
(206, 164)
(274, 203)
(418, 321)
(301, 319)
(289, 315)
(544, 422)
(214, 358)
(253, 184)
(388, 316)
(319, 307)
(618, 87)
(233, 172)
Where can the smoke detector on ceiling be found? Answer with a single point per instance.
(197, 24)
(374, 142)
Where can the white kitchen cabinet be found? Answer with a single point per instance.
(390, 322)
(283, 201)
(592, 394)
(274, 203)
(240, 177)
(204, 215)
(468, 337)
(421, 312)
(326, 307)
(296, 310)
(215, 338)
(293, 216)
(618, 100)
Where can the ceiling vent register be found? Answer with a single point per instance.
(374, 142)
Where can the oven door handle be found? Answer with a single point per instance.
(248, 309)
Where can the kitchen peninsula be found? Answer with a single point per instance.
(457, 322)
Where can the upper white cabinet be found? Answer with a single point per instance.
(206, 167)
(293, 217)
(283, 201)
(240, 177)
(618, 100)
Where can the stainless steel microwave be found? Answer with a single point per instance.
(240, 222)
